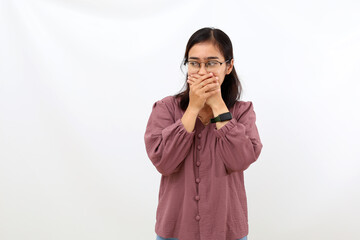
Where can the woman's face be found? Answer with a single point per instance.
(205, 51)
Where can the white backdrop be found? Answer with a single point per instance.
(77, 82)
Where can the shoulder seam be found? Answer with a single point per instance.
(165, 102)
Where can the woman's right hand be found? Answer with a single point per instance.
(200, 89)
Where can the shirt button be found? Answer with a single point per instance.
(199, 147)
(198, 217)
(197, 198)
(198, 163)
(197, 180)
(199, 135)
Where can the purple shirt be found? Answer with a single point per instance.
(202, 193)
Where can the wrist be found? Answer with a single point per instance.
(219, 108)
(193, 110)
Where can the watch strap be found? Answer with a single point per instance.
(221, 117)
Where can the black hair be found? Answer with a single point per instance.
(231, 87)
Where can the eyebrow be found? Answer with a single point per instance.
(205, 58)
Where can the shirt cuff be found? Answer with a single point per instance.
(219, 133)
(182, 128)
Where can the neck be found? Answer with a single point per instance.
(206, 108)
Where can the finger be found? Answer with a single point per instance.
(206, 76)
(190, 80)
(194, 78)
(200, 78)
(203, 80)
(195, 82)
(201, 85)
(211, 87)
(198, 75)
(210, 93)
(211, 80)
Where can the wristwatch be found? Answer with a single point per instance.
(222, 117)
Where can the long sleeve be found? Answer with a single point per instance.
(237, 143)
(166, 139)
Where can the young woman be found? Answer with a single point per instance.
(201, 141)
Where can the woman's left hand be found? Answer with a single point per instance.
(212, 100)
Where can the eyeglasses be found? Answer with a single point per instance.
(194, 66)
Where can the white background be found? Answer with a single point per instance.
(77, 82)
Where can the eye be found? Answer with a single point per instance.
(194, 64)
(212, 63)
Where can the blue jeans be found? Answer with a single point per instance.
(160, 238)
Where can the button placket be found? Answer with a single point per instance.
(197, 174)
(198, 147)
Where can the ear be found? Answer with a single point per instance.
(229, 67)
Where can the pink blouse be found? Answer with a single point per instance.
(202, 193)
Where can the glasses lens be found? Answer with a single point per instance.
(192, 66)
(213, 64)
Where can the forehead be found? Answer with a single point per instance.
(203, 50)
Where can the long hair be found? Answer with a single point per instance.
(231, 87)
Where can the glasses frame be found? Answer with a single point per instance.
(206, 67)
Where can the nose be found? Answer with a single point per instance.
(202, 70)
